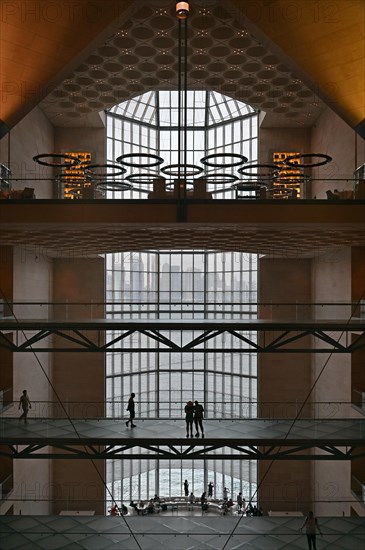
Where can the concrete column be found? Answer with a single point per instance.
(284, 380)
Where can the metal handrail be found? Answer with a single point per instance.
(240, 410)
(6, 486)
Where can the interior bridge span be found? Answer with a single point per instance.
(256, 439)
(183, 335)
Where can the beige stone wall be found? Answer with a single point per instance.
(283, 139)
(32, 136)
(285, 380)
(332, 136)
(32, 281)
(331, 375)
(79, 381)
(82, 139)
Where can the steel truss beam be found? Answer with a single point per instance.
(224, 450)
(248, 336)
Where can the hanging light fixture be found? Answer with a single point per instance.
(182, 173)
(182, 10)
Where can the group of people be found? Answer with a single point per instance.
(151, 507)
(118, 511)
(194, 414)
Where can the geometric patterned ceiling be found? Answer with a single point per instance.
(142, 54)
(70, 240)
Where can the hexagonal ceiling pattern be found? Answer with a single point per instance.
(142, 54)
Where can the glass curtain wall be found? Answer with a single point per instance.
(181, 284)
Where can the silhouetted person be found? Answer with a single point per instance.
(131, 410)
(24, 403)
(311, 526)
(225, 493)
(114, 511)
(240, 501)
(189, 417)
(198, 418)
(210, 489)
(186, 487)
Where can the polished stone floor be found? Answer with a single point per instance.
(175, 533)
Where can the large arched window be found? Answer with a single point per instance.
(174, 284)
(149, 124)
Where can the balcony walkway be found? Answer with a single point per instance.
(256, 439)
(172, 533)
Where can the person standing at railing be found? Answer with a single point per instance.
(24, 403)
(186, 487)
(210, 489)
(198, 418)
(189, 419)
(131, 409)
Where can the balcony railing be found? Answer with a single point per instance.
(138, 306)
(150, 409)
(358, 399)
(358, 488)
(6, 487)
(6, 398)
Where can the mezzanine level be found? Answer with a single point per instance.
(70, 229)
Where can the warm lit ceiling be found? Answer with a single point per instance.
(324, 41)
(277, 55)
(41, 42)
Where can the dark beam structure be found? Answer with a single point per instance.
(251, 439)
(248, 335)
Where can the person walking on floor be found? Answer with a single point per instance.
(210, 489)
(24, 403)
(240, 501)
(131, 409)
(189, 418)
(198, 418)
(186, 487)
(311, 526)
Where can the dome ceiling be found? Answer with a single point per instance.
(142, 54)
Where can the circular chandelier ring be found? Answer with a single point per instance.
(292, 178)
(114, 186)
(218, 178)
(326, 160)
(145, 178)
(207, 160)
(156, 160)
(183, 170)
(90, 167)
(248, 186)
(73, 161)
(244, 170)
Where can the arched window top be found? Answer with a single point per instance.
(161, 108)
